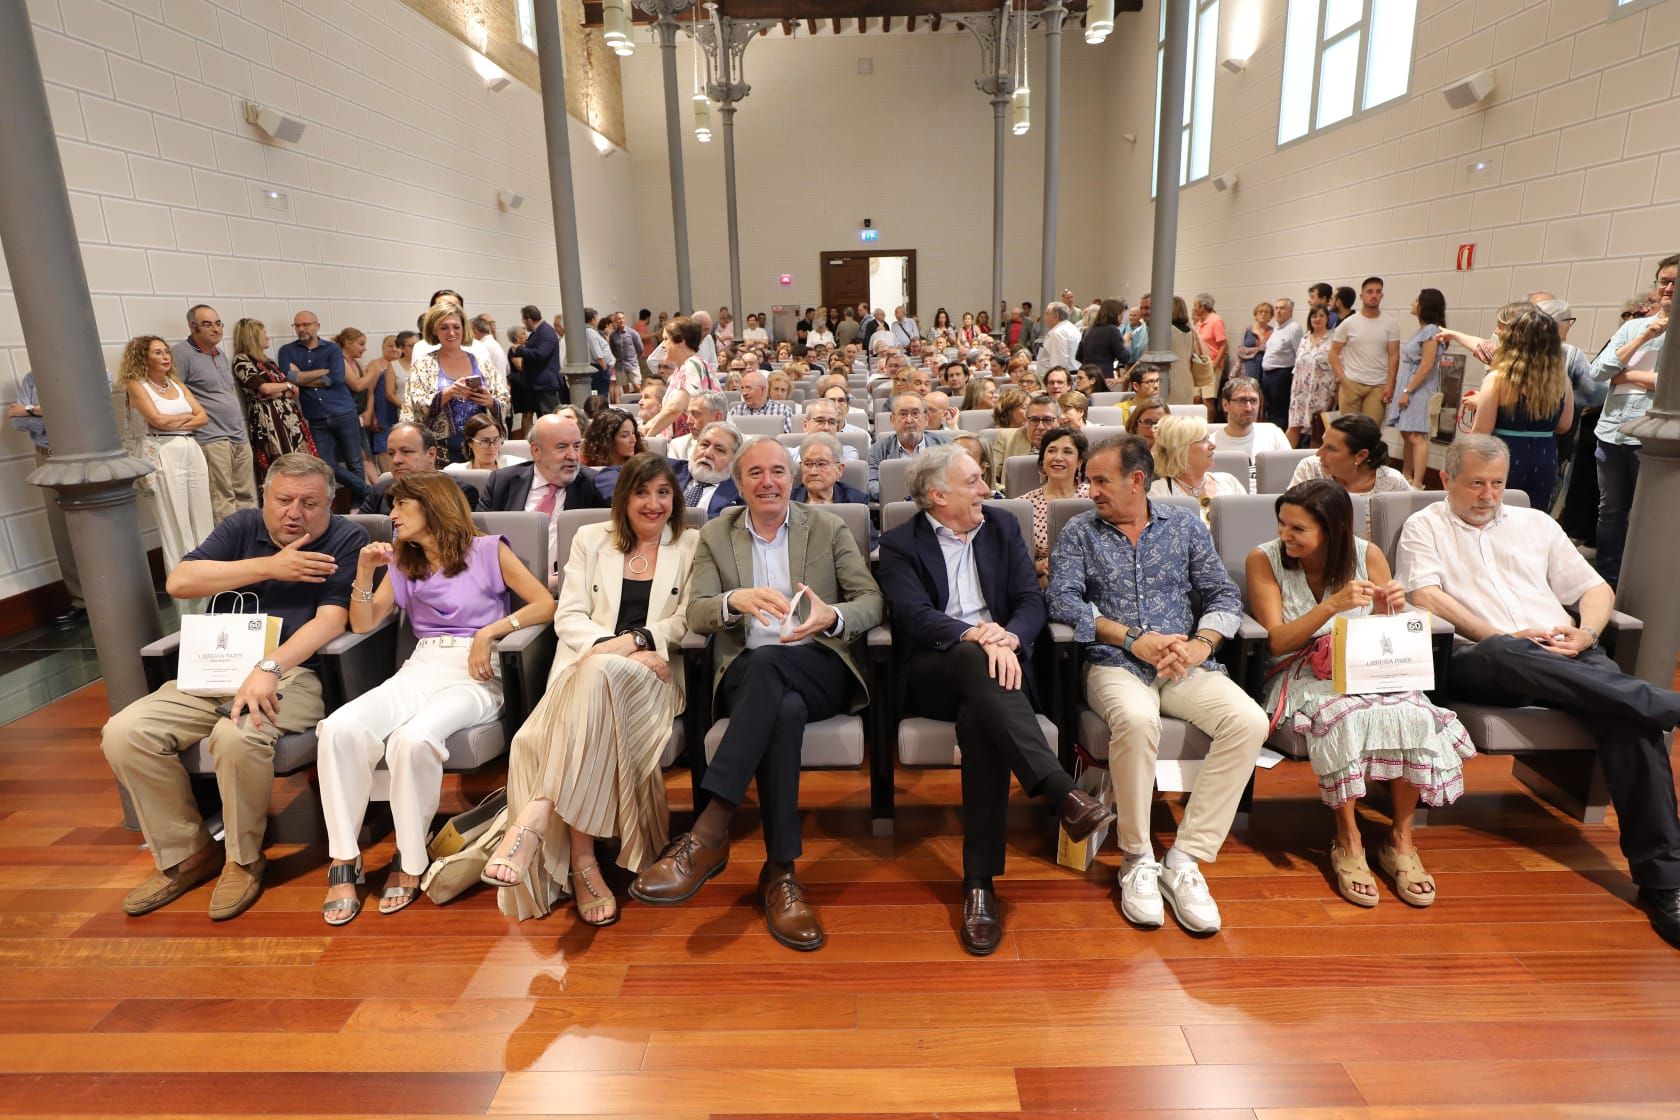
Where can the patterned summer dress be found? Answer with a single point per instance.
(1352, 740)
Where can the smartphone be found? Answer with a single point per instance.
(475, 382)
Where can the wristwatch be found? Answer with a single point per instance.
(1131, 636)
(269, 665)
(640, 639)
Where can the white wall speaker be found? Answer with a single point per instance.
(280, 127)
(507, 200)
(1225, 181)
(1470, 91)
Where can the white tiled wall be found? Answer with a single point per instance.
(1582, 194)
(391, 190)
(820, 147)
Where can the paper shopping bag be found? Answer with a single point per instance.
(1080, 855)
(1383, 653)
(218, 651)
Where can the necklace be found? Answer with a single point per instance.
(636, 558)
(165, 388)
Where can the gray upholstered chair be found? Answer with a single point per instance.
(1020, 474)
(1552, 753)
(758, 425)
(1110, 400)
(361, 662)
(838, 742)
(895, 480)
(1274, 469)
(1180, 741)
(1235, 464)
(658, 445)
(1106, 415)
(517, 448)
(1196, 409)
(974, 419)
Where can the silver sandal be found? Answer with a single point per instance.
(338, 875)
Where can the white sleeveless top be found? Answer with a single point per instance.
(166, 406)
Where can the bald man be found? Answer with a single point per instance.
(554, 479)
(755, 400)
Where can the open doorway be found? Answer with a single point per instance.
(884, 278)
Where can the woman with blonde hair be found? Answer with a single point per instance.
(781, 385)
(453, 583)
(1526, 399)
(160, 415)
(1184, 463)
(586, 763)
(276, 423)
(446, 387)
(980, 393)
(1010, 411)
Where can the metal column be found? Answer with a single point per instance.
(91, 475)
(1053, 17)
(729, 95)
(1170, 153)
(1646, 588)
(996, 82)
(667, 26)
(551, 67)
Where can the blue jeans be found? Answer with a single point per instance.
(1618, 473)
(338, 441)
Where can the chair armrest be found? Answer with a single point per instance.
(161, 660)
(1622, 636)
(880, 637)
(693, 641)
(353, 664)
(1061, 633)
(525, 657)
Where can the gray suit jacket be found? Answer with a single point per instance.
(822, 554)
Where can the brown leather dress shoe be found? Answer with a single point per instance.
(239, 887)
(681, 869)
(982, 922)
(1082, 814)
(171, 883)
(787, 912)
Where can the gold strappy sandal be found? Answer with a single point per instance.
(591, 902)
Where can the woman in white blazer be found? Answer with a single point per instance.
(586, 763)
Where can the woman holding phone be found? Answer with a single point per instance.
(447, 387)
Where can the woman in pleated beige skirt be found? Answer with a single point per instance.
(586, 763)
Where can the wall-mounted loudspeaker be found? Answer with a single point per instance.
(1225, 181)
(1470, 91)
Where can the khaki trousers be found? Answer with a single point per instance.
(1207, 700)
(141, 743)
(61, 540)
(1351, 396)
(233, 483)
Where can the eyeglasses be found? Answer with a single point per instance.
(816, 464)
(1041, 421)
(486, 441)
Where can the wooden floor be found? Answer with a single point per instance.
(1532, 989)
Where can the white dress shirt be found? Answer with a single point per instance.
(905, 331)
(1060, 347)
(771, 568)
(1516, 573)
(1263, 436)
(539, 488)
(965, 602)
(495, 355)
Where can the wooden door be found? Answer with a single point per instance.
(845, 280)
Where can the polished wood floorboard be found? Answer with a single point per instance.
(1533, 989)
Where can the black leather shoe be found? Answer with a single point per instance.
(982, 923)
(1664, 910)
(75, 616)
(1082, 814)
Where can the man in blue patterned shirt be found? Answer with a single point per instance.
(1129, 577)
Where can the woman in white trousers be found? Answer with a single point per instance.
(161, 416)
(454, 584)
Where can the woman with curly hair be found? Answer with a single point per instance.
(160, 416)
(612, 439)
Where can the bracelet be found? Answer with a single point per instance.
(361, 595)
(513, 621)
(1206, 641)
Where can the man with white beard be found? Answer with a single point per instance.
(709, 486)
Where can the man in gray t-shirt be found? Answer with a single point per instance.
(200, 363)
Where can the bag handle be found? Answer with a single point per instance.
(239, 598)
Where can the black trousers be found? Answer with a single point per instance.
(1627, 716)
(998, 734)
(770, 694)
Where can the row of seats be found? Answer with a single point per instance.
(1554, 754)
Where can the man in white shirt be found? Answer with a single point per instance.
(1061, 344)
(1241, 432)
(1502, 576)
(600, 355)
(824, 416)
(904, 329)
(1365, 355)
(703, 409)
(484, 335)
(1277, 364)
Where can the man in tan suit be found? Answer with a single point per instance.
(777, 668)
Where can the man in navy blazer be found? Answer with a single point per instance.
(539, 360)
(554, 479)
(707, 478)
(966, 610)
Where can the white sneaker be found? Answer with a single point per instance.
(1187, 892)
(1140, 893)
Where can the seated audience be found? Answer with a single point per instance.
(1061, 466)
(774, 671)
(1184, 461)
(1243, 430)
(709, 485)
(452, 583)
(411, 448)
(1072, 409)
(1010, 411)
(1148, 654)
(824, 416)
(821, 476)
(554, 479)
(586, 762)
(703, 408)
(1355, 455)
(613, 439)
(909, 435)
(966, 612)
(1503, 575)
(755, 401)
(484, 437)
(1146, 413)
(297, 558)
(1315, 571)
(1039, 417)
(979, 393)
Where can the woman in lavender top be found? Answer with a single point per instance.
(454, 585)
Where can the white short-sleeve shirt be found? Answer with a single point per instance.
(1516, 573)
